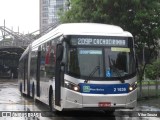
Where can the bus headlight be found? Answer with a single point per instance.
(132, 86)
(71, 86)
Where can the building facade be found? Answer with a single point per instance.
(49, 12)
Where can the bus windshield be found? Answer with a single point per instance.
(112, 62)
(83, 60)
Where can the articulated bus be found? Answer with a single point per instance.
(81, 66)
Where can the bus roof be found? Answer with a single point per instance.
(92, 29)
(83, 29)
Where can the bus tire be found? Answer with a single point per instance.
(51, 100)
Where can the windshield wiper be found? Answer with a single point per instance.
(117, 72)
(92, 73)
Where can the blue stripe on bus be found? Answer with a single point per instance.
(104, 88)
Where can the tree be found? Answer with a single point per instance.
(153, 70)
(140, 17)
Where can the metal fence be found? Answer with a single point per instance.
(150, 88)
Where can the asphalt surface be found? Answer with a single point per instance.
(13, 106)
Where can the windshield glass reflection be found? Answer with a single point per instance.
(119, 62)
(83, 60)
(113, 62)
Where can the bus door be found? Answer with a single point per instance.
(38, 72)
(58, 75)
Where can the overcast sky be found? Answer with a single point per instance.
(22, 13)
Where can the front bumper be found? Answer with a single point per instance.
(73, 100)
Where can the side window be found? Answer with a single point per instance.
(42, 62)
(33, 66)
(21, 69)
(50, 60)
(26, 66)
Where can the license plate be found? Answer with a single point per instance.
(104, 104)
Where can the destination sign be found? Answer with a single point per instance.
(98, 41)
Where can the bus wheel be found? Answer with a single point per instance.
(51, 101)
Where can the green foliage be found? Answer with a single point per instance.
(140, 17)
(153, 70)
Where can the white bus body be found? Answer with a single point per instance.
(81, 66)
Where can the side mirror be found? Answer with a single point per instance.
(59, 52)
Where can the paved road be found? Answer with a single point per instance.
(11, 101)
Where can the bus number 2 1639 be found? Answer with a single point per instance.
(119, 89)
